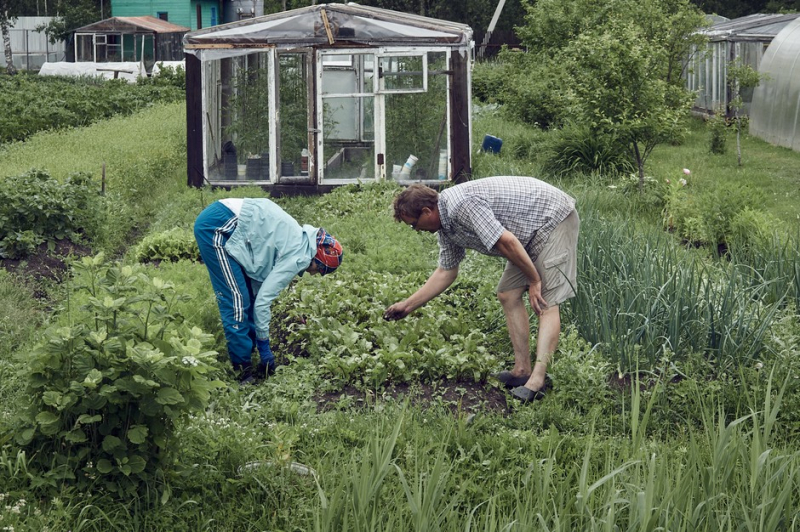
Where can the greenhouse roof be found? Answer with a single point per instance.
(333, 23)
(145, 24)
(751, 27)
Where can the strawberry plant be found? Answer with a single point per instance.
(108, 391)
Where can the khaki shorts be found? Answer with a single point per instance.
(557, 264)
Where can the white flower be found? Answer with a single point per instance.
(683, 182)
(189, 361)
(687, 171)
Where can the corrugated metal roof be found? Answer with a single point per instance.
(751, 26)
(133, 24)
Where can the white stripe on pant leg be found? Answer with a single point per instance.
(227, 273)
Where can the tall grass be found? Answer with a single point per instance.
(642, 297)
(725, 475)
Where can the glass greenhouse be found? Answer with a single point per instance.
(742, 40)
(327, 95)
(775, 113)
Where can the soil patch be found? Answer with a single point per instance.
(44, 264)
(458, 397)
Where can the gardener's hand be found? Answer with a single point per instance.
(397, 311)
(538, 304)
(266, 356)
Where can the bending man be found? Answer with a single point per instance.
(253, 249)
(533, 225)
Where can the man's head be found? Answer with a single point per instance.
(329, 254)
(418, 206)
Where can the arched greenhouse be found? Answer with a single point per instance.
(775, 111)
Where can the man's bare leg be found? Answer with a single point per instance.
(546, 344)
(518, 322)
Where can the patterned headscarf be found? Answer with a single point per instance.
(329, 253)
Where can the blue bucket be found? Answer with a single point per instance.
(492, 144)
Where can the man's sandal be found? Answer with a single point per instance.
(527, 395)
(509, 380)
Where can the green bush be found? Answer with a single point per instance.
(489, 79)
(577, 148)
(35, 208)
(718, 130)
(704, 213)
(172, 245)
(167, 77)
(106, 393)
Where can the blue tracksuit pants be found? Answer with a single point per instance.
(232, 287)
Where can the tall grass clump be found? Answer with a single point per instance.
(641, 297)
(579, 149)
(773, 260)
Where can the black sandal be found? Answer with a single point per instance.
(510, 380)
(527, 395)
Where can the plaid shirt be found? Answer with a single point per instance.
(475, 214)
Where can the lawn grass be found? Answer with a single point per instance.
(771, 169)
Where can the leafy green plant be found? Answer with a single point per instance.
(350, 341)
(36, 208)
(702, 212)
(173, 244)
(718, 130)
(107, 392)
(167, 76)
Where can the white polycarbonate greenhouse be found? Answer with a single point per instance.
(327, 95)
(743, 40)
(775, 113)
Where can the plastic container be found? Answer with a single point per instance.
(442, 165)
(492, 144)
(304, 161)
(409, 164)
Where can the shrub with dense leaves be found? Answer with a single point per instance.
(35, 208)
(107, 392)
(37, 103)
(705, 213)
(173, 244)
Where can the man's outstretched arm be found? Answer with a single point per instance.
(437, 283)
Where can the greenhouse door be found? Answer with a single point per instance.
(413, 95)
(346, 117)
(294, 125)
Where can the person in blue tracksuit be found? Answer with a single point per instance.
(253, 249)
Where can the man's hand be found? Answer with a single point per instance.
(397, 311)
(538, 304)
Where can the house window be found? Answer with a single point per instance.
(163, 15)
(213, 16)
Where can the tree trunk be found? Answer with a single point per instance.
(5, 25)
(738, 139)
(639, 165)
